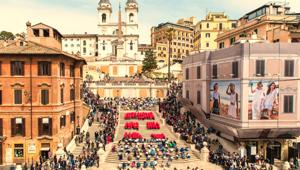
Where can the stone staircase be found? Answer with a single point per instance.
(112, 158)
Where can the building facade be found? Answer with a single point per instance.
(85, 45)
(207, 30)
(180, 46)
(40, 96)
(272, 22)
(110, 51)
(250, 93)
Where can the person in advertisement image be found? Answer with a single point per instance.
(216, 99)
(258, 99)
(264, 100)
(224, 100)
(233, 106)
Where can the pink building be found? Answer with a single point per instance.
(250, 93)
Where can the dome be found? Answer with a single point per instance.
(104, 2)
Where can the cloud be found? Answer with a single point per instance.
(79, 16)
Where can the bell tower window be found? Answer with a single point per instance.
(131, 17)
(131, 45)
(103, 18)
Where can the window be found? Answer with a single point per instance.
(18, 150)
(288, 106)
(289, 68)
(198, 97)
(220, 26)
(215, 71)
(45, 97)
(18, 127)
(207, 35)
(207, 44)
(62, 69)
(232, 40)
(36, 32)
(17, 68)
(103, 18)
(187, 95)
(18, 96)
(221, 45)
(1, 127)
(84, 50)
(44, 68)
(235, 69)
(187, 74)
(62, 121)
(255, 31)
(103, 47)
(84, 42)
(131, 16)
(45, 126)
(198, 72)
(0, 97)
(66, 45)
(46, 32)
(61, 95)
(72, 117)
(72, 94)
(72, 70)
(260, 68)
(207, 25)
(131, 45)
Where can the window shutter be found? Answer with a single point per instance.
(1, 127)
(24, 126)
(50, 126)
(13, 126)
(40, 126)
(47, 96)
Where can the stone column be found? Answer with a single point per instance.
(204, 153)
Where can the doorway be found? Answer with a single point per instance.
(274, 151)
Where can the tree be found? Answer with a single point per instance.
(149, 62)
(4, 35)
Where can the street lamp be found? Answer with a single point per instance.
(169, 34)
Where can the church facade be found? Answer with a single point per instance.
(113, 50)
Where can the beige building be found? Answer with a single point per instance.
(272, 22)
(189, 22)
(207, 30)
(180, 46)
(249, 91)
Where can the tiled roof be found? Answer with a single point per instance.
(33, 48)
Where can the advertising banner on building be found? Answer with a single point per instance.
(225, 98)
(263, 103)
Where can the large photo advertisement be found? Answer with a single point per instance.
(263, 103)
(225, 98)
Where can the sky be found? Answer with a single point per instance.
(79, 16)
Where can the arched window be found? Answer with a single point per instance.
(131, 16)
(103, 18)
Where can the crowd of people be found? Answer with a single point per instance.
(137, 103)
(144, 153)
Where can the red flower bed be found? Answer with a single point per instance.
(139, 115)
(158, 136)
(133, 135)
(153, 125)
(131, 125)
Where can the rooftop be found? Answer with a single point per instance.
(32, 48)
